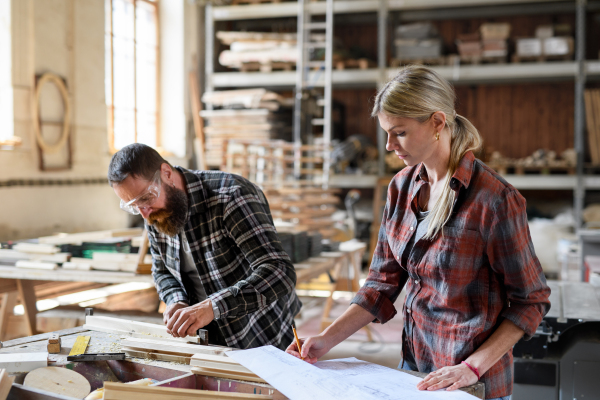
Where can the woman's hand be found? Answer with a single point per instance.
(451, 378)
(312, 348)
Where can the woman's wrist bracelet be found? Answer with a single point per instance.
(475, 371)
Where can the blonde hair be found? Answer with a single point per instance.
(417, 92)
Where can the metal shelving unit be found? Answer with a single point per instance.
(578, 70)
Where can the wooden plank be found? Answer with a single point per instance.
(175, 348)
(118, 325)
(27, 296)
(78, 238)
(43, 336)
(36, 265)
(5, 384)
(220, 363)
(6, 310)
(36, 248)
(590, 117)
(121, 391)
(131, 352)
(226, 375)
(23, 362)
(198, 123)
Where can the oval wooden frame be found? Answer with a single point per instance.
(51, 148)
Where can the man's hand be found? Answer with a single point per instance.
(451, 378)
(187, 320)
(170, 310)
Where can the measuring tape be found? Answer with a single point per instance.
(81, 343)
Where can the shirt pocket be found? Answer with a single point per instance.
(456, 256)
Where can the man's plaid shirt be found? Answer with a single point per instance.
(464, 283)
(243, 268)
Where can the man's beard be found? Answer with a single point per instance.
(171, 219)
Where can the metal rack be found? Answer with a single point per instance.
(578, 70)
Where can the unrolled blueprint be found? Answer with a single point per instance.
(347, 379)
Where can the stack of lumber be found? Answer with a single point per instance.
(111, 262)
(592, 117)
(222, 367)
(251, 114)
(258, 51)
(79, 238)
(35, 256)
(276, 163)
(309, 207)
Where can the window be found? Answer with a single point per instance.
(6, 93)
(132, 54)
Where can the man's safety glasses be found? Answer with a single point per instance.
(146, 199)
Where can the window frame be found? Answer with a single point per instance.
(111, 107)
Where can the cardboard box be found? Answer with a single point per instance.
(418, 49)
(493, 30)
(529, 47)
(558, 46)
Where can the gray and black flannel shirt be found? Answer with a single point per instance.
(243, 268)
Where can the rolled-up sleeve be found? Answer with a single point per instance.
(512, 257)
(385, 280)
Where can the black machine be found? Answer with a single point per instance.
(562, 360)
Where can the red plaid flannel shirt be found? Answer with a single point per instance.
(464, 283)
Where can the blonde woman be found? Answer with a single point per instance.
(454, 234)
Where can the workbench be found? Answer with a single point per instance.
(171, 374)
(21, 282)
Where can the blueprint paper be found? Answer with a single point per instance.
(347, 379)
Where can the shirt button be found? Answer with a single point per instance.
(408, 310)
(417, 281)
(412, 229)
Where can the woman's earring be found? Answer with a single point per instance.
(437, 136)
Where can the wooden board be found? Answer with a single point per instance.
(159, 346)
(227, 374)
(5, 384)
(156, 356)
(78, 238)
(36, 265)
(58, 380)
(36, 248)
(118, 325)
(23, 362)
(224, 364)
(120, 391)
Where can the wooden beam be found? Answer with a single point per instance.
(159, 346)
(5, 384)
(227, 374)
(118, 325)
(27, 295)
(121, 391)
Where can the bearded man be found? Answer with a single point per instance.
(217, 262)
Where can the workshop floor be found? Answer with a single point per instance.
(384, 350)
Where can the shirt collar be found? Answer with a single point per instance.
(195, 191)
(462, 175)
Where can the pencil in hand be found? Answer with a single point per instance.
(297, 342)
